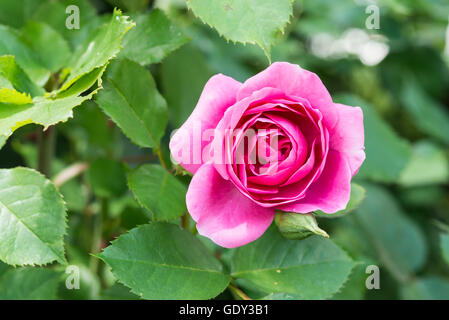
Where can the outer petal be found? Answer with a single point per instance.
(293, 80)
(331, 192)
(347, 136)
(222, 213)
(186, 145)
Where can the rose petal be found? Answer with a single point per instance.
(222, 213)
(330, 193)
(348, 137)
(305, 169)
(229, 122)
(218, 94)
(292, 79)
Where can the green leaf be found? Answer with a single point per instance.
(245, 21)
(118, 292)
(130, 5)
(184, 74)
(75, 195)
(90, 132)
(153, 38)
(107, 178)
(17, 78)
(17, 13)
(32, 218)
(43, 111)
(163, 261)
(426, 288)
(281, 296)
(357, 196)
(29, 284)
(430, 117)
(158, 191)
(386, 153)
(12, 43)
(2, 141)
(444, 242)
(313, 268)
(130, 98)
(99, 48)
(83, 83)
(3, 268)
(14, 97)
(429, 165)
(89, 283)
(390, 232)
(52, 48)
(297, 226)
(54, 14)
(354, 288)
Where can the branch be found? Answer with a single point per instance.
(69, 173)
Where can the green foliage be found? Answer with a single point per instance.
(33, 219)
(29, 284)
(313, 268)
(2, 141)
(118, 292)
(107, 178)
(153, 38)
(258, 21)
(444, 242)
(429, 115)
(390, 232)
(43, 111)
(12, 43)
(354, 288)
(158, 191)
(54, 14)
(137, 107)
(12, 96)
(147, 80)
(85, 70)
(429, 165)
(52, 48)
(17, 78)
(184, 74)
(130, 5)
(386, 153)
(17, 13)
(98, 49)
(162, 261)
(428, 288)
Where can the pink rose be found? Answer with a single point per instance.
(299, 156)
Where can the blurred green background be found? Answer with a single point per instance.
(398, 74)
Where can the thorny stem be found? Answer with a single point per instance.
(161, 158)
(69, 173)
(78, 168)
(139, 158)
(47, 141)
(184, 221)
(98, 234)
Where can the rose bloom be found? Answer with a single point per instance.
(278, 142)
